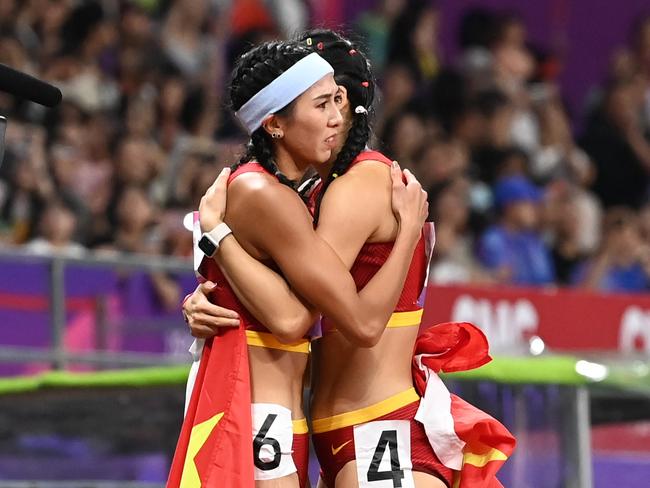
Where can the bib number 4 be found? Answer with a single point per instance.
(383, 454)
(388, 439)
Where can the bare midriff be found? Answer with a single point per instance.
(347, 377)
(277, 377)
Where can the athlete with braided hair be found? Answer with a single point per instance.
(363, 399)
(354, 216)
(286, 97)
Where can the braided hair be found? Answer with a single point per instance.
(351, 70)
(253, 71)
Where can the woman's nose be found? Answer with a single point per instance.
(335, 117)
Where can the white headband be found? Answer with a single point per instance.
(282, 91)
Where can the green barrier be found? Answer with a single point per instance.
(633, 376)
(139, 377)
(557, 370)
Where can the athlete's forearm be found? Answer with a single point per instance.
(381, 294)
(264, 293)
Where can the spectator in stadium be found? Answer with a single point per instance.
(413, 40)
(623, 262)
(399, 88)
(513, 249)
(403, 136)
(375, 26)
(615, 141)
(493, 115)
(57, 230)
(453, 257)
(567, 228)
(440, 160)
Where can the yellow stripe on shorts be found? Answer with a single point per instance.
(366, 414)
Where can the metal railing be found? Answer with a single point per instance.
(56, 354)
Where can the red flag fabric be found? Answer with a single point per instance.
(472, 442)
(488, 444)
(453, 346)
(215, 446)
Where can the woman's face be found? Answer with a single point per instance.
(343, 103)
(310, 131)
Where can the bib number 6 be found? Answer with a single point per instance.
(261, 440)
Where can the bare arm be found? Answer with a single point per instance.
(264, 293)
(283, 230)
(363, 196)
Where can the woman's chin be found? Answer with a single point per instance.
(325, 156)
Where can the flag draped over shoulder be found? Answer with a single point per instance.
(463, 437)
(215, 447)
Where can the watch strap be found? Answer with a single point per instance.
(219, 233)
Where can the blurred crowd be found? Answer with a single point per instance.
(518, 195)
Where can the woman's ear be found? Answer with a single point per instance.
(273, 126)
(343, 93)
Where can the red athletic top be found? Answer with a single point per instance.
(223, 295)
(374, 254)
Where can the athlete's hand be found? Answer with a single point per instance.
(410, 204)
(203, 316)
(212, 208)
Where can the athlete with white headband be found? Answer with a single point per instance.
(286, 97)
(365, 402)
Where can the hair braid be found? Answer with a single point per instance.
(255, 70)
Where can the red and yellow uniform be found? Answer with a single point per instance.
(292, 435)
(349, 436)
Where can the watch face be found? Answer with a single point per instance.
(207, 246)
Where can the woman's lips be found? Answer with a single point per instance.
(331, 141)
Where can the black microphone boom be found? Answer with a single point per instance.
(26, 86)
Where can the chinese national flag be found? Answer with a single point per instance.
(476, 442)
(215, 445)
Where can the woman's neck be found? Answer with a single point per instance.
(323, 170)
(288, 166)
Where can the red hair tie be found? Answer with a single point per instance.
(365, 84)
(352, 52)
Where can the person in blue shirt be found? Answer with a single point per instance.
(513, 249)
(623, 262)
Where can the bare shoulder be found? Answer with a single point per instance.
(367, 179)
(260, 191)
(363, 196)
(370, 167)
(249, 184)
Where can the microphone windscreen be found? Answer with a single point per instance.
(26, 86)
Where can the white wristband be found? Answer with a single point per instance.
(209, 242)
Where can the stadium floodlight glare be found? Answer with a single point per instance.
(536, 345)
(188, 221)
(592, 371)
